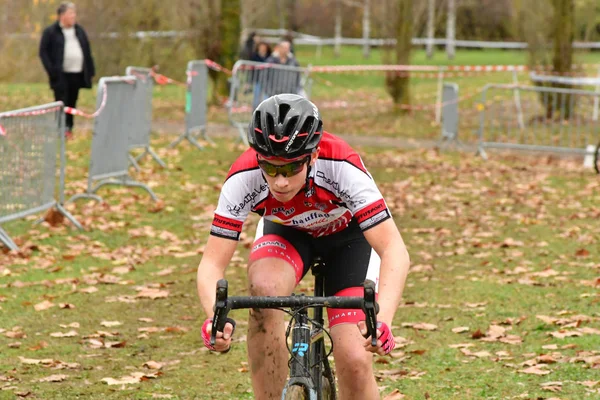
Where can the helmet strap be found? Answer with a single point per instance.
(307, 185)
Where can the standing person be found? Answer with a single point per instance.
(260, 54)
(67, 58)
(316, 198)
(284, 80)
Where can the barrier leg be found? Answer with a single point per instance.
(190, 138)
(178, 140)
(69, 216)
(194, 142)
(156, 157)
(206, 137)
(84, 196)
(481, 152)
(4, 238)
(133, 162)
(126, 182)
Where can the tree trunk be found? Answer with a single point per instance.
(366, 27)
(451, 29)
(430, 27)
(338, 29)
(398, 86)
(564, 33)
(230, 41)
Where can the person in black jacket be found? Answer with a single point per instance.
(67, 57)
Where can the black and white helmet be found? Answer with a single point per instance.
(285, 126)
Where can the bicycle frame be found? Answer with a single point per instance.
(308, 362)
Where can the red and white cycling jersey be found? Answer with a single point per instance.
(340, 188)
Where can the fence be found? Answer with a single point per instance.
(140, 111)
(195, 103)
(29, 140)
(253, 82)
(450, 112)
(109, 159)
(554, 119)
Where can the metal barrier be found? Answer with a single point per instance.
(555, 119)
(109, 156)
(253, 82)
(29, 139)
(195, 103)
(140, 111)
(450, 112)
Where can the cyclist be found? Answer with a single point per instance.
(315, 197)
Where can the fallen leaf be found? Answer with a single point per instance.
(564, 334)
(582, 253)
(157, 206)
(423, 326)
(71, 333)
(153, 365)
(14, 345)
(89, 290)
(44, 305)
(394, 395)
(54, 378)
(460, 329)
(534, 371)
(110, 324)
(152, 293)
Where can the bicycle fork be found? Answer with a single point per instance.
(302, 356)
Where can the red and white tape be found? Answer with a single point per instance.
(217, 67)
(24, 114)
(74, 111)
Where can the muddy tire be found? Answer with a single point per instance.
(296, 392)
(597, 159)
(327, 389)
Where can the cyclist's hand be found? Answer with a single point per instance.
(385, 338)
(223, 341)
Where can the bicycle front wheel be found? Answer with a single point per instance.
(295, 392)
(597, 159)
(327, 389)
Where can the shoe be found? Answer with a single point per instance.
(68, 134)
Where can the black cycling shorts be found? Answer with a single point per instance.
(348, 258)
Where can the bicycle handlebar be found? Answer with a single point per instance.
(224, 304)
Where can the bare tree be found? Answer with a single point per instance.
(430, 27)
(398, 86)
(564, 33)
(338, 28)
(451, 29)
(366, 25)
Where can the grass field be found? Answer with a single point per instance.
(504, 252)
(501, 303)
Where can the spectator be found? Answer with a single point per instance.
(260, 54)
(289, 37)
(247, 50)
(67, 58)
(283, 80)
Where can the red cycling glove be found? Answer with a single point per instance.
(206, 334)
(387, 337)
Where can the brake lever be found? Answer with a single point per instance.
(371, 308)
(221, 310)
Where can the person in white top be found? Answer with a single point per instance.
(67, 58)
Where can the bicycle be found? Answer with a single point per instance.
(597, 159)
(311, 376)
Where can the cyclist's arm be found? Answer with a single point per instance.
(388, 244)
(217, 255)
